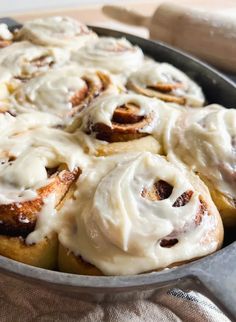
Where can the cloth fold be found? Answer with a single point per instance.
(21, 301)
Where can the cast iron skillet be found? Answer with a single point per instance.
(214, 275)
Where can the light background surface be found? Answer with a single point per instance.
(19, 6)
(9, 6)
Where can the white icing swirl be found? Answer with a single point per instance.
(46, 219)
(11, 125)
(205, 140)
(102, 110)
(53, 91)
(115, 55)
(22, 59)
(111, 225)
(27, 148)
(57, 31)
(10, 194)
(152, 73)
(5, 34)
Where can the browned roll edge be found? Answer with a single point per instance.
(68, 262)
(43, 254)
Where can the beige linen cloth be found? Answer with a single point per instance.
(20, 301)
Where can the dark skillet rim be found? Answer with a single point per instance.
(117, 283)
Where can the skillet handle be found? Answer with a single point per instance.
(218, 275)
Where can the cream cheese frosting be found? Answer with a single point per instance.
(153, 73)
(5, 33)
(111, 225)
(46, 220)
(57, 31)
(204, 139)
(25, 60)
(53, 91)
(28, 148)
(116, 55)
(102, 110)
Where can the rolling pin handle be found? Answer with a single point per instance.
(124, 15)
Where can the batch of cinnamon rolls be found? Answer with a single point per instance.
(110, 162)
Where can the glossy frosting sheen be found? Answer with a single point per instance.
(102, 110)
(152, 73)
(4, 32)
(34, 146)
(52, 91)
(57, 31)
(20, 58)
(116, 55)
(111, 225)
(205, 139)
(46, 221)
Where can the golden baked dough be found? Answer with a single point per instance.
(19, 220)
(147, 143)
(225, 204)
(42, 254)
(69, 263)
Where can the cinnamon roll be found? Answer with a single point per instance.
(5, 36)
(38, 167)
(27, 225)
(25, 60)
(63, 92)
(124, 117)
(136, 213)
(204, 139)
(165, 82)
(118, 56)
(56, 31)
(112, 121)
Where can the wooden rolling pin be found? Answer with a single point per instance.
(210, 36)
